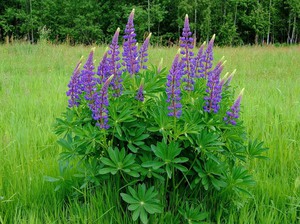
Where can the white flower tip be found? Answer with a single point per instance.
(213, 37)
(93, 49)
(226, 75)
(242, 92)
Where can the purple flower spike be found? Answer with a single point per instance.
(74, 86)
(88, 81)
(143, 53)
(130, 54)
(207, 58)
(99, 105)
(233, 114)
(173, 88)
(186, 43)
(214, 90)
(228, 80)
(140, 93)
(198, 69)
(103, 69)
(114, 65)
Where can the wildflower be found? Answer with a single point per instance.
(214, 90)
(140, 93)
(206, 60)
(186, 43)
(143, 53)
(173, 88)
(198, 70)
(114, 65)
(74, 86)
(88, 81)
(233, 113)
(103, 69)
(130, 54)
(99, 105)
(228, 80)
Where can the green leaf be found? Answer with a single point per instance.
(132, 148)
(129, 199)
(108, 170)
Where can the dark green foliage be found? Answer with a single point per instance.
(234, 22)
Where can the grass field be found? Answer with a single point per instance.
(33, 82)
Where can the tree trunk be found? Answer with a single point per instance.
(269, 24)
(149, 21)
(195, 32)
(293, 31)
(256, 39)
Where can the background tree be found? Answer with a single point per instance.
(234, 22)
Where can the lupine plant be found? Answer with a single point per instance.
(163, 141)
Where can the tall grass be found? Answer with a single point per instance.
(33, 82)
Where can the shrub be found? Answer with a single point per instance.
(168, 141)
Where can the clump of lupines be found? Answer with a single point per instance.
(143, 53)
(173, 88)
(114, 65)
(233, 113)
(130, 54)
(183, 70)
(186, 44)
(74, 86)
(214, 89)
(99, 105)
(87, 79)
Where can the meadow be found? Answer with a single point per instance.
(33, 82)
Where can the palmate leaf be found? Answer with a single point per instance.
(167, 153)
(192, 215)
(239, 180)
(142, 202)
(255, 149)
(118, 161)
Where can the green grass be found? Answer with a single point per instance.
(33, 82)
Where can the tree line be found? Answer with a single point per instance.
(235, 22)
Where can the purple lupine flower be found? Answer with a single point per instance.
(173, 88)
(99, 105)
(186, 44)
(206, 61)
(130, 54)
(142, 58)
(198, 70)
(114, 65)
(103, 69)
(233, 113)
(214, 90)
(74, 86)
(228, 80)
(140, 94)
(88, 81)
